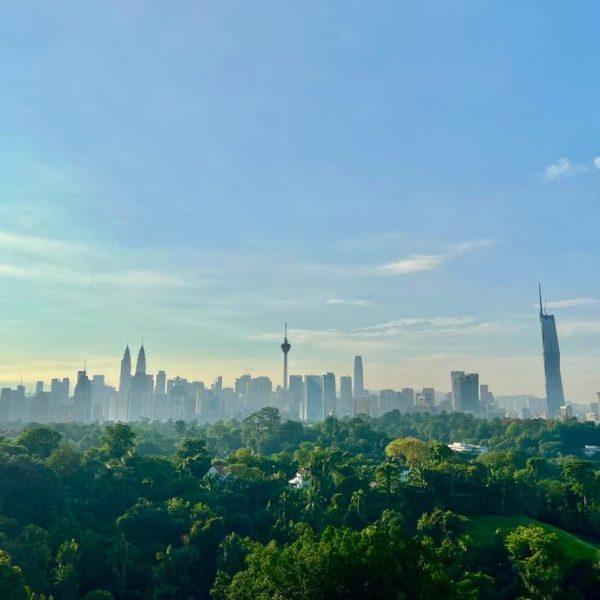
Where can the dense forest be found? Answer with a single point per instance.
(378, 508)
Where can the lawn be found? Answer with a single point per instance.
(483, 528)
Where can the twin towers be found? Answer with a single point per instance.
(135, 390)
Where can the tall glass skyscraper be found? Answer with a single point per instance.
(313, 398)
(555, 397)
(359, 387)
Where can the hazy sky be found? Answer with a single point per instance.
(391, 178)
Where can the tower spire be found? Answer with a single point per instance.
(285, 348)
(540, 291)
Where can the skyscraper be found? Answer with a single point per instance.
(312, 402)
(285, 348)
(329, 394)
(125, 377)
(140, 365)
(83, 398)
(555, 397)
(160, 387)
(429, 398)
(359, 388)
(295, 392)
(141, 389)
(470, 393)
(347, 404)
(465, 392)
(456, 380)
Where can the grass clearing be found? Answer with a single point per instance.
(483, 527)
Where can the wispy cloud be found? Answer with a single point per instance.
(128, 278)
(428, 262)
(347, 302)
(390, 333)
(438, 326)
(413, 264)
(46, 260)
(596, 162)
(578, 328)
(572, 303)
(563, 168)
(140, 278)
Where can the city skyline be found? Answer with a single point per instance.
(464, 387)
(142, 395)
(394, 195)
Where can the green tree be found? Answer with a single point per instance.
(65, 573)
(192, 457)
(118, 441)
(40, 440)
(260, 431)
(538, 558)
(32, 551)
(442, 524)
(410, 450)
(12, 582)
(98, 595)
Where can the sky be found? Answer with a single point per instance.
(391, 178)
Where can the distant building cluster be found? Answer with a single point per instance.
(141, 395)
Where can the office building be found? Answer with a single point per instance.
(329, 395)
(312, 401)
(359, 387)
(346, 399)
(555, 397)
(428, 395)
(140, 393)
(83, 398)
(295, 395)
(465, 392)
(407, 400)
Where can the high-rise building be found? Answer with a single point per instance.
(388, 401)
(465, 392)
(217, 386)
(14, 404)
(160, 387)
(39, 387)
(565, 412)
(312, 401)
(140, 393)
(140, 365)
(456, 381)
(101, 394)
(359, 386)
(125, 376)
(295, 393)
(346, 399)
(486, 398)
(555, 397)
(408, 399)
(159, 400)
(39, 406)
(329, 395)
(470, 393)
(428, 395)
(260, 390)
(83, 398)
(285, 348)
(595, 407)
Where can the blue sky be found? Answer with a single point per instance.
(392, 179)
